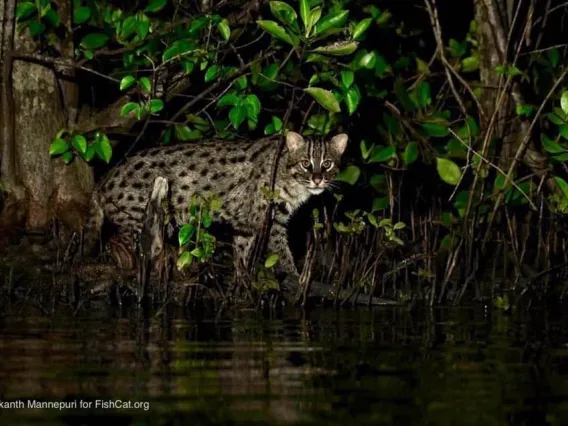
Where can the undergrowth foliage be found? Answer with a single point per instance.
(458, 165)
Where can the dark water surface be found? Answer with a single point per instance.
(458, 366)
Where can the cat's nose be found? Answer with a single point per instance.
(317, 178)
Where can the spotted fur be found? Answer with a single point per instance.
(234, 171)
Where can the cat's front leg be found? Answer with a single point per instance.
(278, 244)
(242, 250)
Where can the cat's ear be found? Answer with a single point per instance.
(339, 143)
(294, 141)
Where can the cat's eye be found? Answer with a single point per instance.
(326, 164)
(305, 164)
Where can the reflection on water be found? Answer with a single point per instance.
(467, 366)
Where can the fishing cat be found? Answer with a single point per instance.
(234, 171)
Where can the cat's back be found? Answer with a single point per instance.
(212, 165)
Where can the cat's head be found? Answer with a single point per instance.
(313, 162)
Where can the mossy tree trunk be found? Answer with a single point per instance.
(38, 101)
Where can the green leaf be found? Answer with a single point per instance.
(199, 122)
(273, 127)
(215, 204)
(224, 29)
(237, 115)
(448, 170)
(24, 10)
(524, 110)
(284, 12)
(362, 27)
(315, 17)
(325, 98)
(470, 64)
(187, 66)
(331, 21)
(177, 48)
(350, 175)
(145, 84)
(90, 153)
(457, 49)
(207, 220)
(79, 143)
(269, 129)
(58, 146)
(368, 60)
(53, 18)
(241, 82)
(271, 261)
(36, 28)
(562, 185)
(103, 149)
(183, 132)
(423, 94)
(448, 242)
(305, 15)
(184, 260)
(252, 104)
(127, 82)
(277, 31)
(347, 78)
(211, 73)
(564, 102)
(155, 105)
(551, 146)
(399, 225)
(410, 154)
(142, 26)
(198, 24)
(94, 40)
(435, 130)
(402, 95)
(365, 151)
(197, 252)
(127, 108)
(380, 154)
(155, 5)
(380, 203)
(553, 57)
(321, 123)
(277, 123)
(352, 99)
(564, 131)
(338, 49)
(185, 234)
(559, 114)
(230, 99)
(128, 27)
(563, 157)
(67, 157)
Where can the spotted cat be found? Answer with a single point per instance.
(236, 172)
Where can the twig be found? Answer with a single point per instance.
(41, 59)
(215, 85)
(496, 167)
(521, 149)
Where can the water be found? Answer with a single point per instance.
(466, 366)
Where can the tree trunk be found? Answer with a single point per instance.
(495, 19)
(38, 188)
